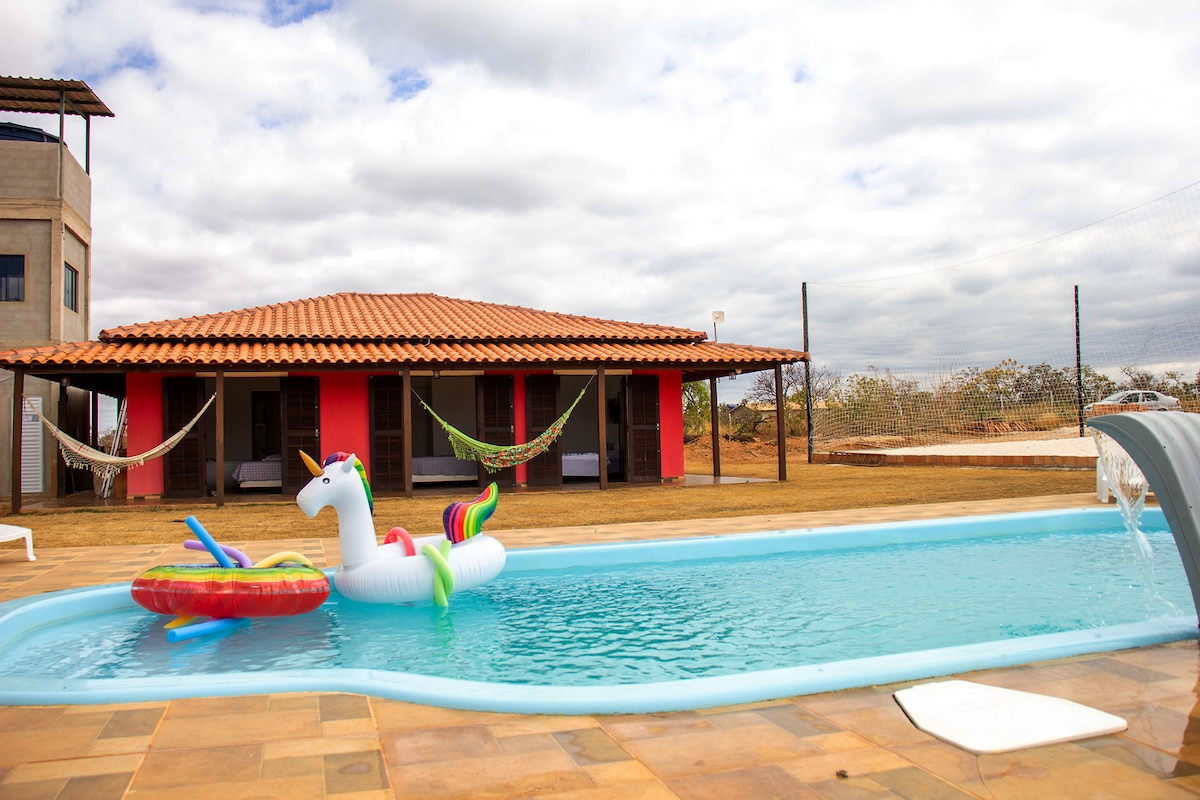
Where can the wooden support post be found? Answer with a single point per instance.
(780, 423)
(406, 426)
(602, 427)
(219, 477)
(715, 413)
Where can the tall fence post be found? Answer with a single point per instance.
(808, 405)
(1078, 367)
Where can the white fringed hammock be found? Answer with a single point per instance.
(105, 465)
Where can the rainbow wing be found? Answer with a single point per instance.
(461, 521)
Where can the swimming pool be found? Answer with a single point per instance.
(652, 626)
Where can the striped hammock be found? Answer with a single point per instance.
(495, 457)
(105, 465)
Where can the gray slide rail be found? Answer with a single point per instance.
(1166, 447)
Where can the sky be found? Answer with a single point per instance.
(643, 161)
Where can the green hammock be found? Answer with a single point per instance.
(497, 456)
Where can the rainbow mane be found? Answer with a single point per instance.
(461, 521)
(362, 473)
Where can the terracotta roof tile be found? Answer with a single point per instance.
(350, 315)
(369, 331)
(298, 354)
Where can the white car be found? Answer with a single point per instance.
(1143, 398)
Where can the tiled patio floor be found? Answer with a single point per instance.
(851, 744)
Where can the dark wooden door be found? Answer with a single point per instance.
(183, 466)
(643, 462)
(494, 420)
(387, 433)
(541, 398)
(301, 429)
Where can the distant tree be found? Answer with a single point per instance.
(697, 410)
(1042, 383)
(824, 382)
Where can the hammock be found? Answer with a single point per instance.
(497, 456)
(103, 465)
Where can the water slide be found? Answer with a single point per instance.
(1166, 447)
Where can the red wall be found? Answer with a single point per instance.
(345, 415)
(670, 423)
(345, 422)
(520, 423)
(144, 431)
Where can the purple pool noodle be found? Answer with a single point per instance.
(241, 558)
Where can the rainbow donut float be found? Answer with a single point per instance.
(208, 598)
(206, 590)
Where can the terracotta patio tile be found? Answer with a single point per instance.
(645, 726)
(487, 777)
(915, 783)
(96, 787)
(1136, 754)
(317, 746)
(217, 706)
(303, 786)
(1069, 771)
(527, 743)
(826, 766)
(73, 768)
(707, 752)
(797, 721)
(619, 772)
(765, 781)
(948, 762)
(652, 790)
(293, 766)
(354, 772)
(193, 766)
(590, 746)
(132, 722)
(22, 747)
(343, 706)
(229, 729)
(438, 744)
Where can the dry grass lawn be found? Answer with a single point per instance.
(809, 488)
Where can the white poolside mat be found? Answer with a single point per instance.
(987, 719)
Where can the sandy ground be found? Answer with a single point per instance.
(1072, 446)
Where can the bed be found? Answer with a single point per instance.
(585, 465)
(265, 474)
(581, 465)
(440, 469)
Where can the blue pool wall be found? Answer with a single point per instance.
(19, 616)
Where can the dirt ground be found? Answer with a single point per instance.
(810, 487)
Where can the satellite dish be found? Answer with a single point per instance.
(718, 316)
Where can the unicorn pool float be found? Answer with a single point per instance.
(403, 569)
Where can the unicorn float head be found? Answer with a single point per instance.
(402, 569)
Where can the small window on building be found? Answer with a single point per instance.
(12, 278)
(70, 287)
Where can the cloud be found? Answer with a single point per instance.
(651, 162)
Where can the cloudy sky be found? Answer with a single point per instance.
(645, 161)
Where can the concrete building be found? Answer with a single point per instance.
(45, 272)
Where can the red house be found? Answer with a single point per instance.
(357, 372)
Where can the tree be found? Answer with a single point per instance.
(697, 407)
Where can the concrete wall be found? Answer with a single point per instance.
(29, 323)
(49, 231)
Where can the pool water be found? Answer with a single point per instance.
(704, 614)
